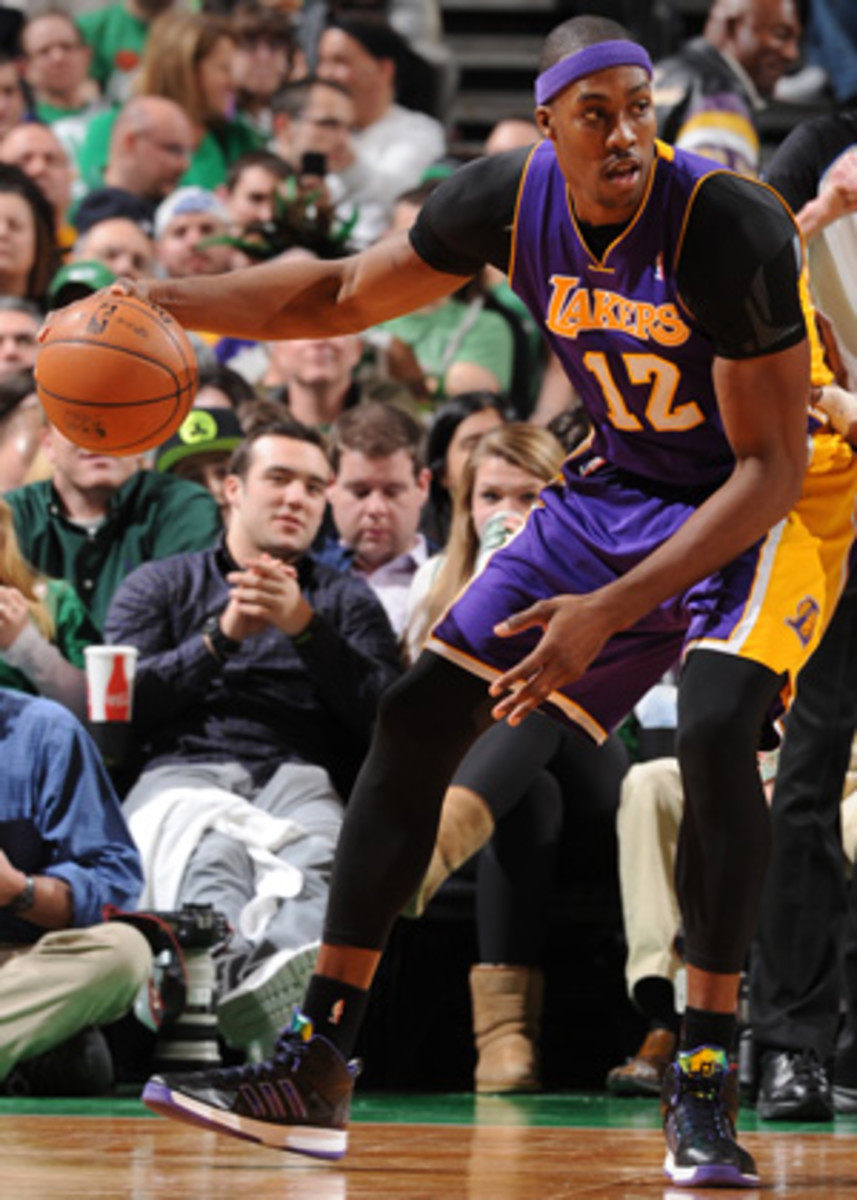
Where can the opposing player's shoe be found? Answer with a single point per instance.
(298, 1100)
(699, 1104)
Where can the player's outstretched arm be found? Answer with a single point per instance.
(301, 298)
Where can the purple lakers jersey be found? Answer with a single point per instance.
(638, 361)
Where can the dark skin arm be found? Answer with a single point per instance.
(763, 403)
(296, 298)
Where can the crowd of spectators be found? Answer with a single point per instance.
(152, 137)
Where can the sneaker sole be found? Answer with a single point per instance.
(713, 1175)
(299, 1139)
(260, 1014)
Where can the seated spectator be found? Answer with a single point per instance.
(709, 94)
(259, 676)
(262, 60)
(201, 448)
(221, 387)
(76, 280)
(499, 475)
(117, 35)
(395, 143)
(29, 254)
(65, 853)
(509, 791)
(456, 427)
(40, 154)
(20, 321)
(314, 376)
(123, 245)
(100, 516)
(188, 59)
(20, 426)
(107, 203)
(250, 190)
(184, 225)
(315, 117)
(459, 345)
(149, 150)
(56, 66)
(379, 488)
(44, 628)
(15, 103)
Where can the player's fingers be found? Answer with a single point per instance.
(123, 285)
(525, 619)
(518, 704)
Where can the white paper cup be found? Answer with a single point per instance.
(110, 682)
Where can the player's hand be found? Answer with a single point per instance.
(267, 592)
(575, 629)
(123, 285)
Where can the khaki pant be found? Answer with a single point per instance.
(650, 810)
(66, 981)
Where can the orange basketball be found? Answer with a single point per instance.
(115, 374)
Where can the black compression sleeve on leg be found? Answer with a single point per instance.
(426, 723)
(725, 835)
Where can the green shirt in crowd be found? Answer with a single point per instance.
(456, 332)
(117, 39)
(209, 163)
(150, 516)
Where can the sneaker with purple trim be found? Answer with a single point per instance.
(298, 1100)
(699, 1105)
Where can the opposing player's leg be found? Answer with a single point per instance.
(299, 1100)
(722, 854)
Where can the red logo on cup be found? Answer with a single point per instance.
(117, 699)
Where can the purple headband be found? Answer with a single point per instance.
(585, 62)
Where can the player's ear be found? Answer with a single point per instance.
(544, 120)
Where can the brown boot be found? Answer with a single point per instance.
(465, 826)
(643, 1074)
(507, 1011)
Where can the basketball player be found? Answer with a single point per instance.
(687, 528)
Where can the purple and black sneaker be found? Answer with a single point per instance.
(298, 1100)
(699, 1104)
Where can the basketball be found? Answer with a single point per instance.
(115, 374)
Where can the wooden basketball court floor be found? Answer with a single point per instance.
(546, 1147)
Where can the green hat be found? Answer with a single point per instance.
(203, 431)
(78, 279)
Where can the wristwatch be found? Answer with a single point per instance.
(222, 646)
(24, 899)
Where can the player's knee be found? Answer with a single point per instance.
(705, 743)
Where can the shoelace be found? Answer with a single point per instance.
(288, 1051)
(700, 1111)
